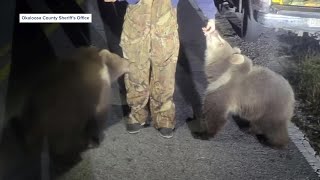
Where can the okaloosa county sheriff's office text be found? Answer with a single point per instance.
(55, 17)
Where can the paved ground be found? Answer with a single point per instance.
(232, 155)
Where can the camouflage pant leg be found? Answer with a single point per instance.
(163, 64)
(135, 43)
(161, 101)
(137, 82)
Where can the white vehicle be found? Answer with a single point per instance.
(298, 16)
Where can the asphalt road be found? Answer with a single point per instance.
(231, 155)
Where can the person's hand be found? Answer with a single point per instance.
(110, 0)
(210, 28)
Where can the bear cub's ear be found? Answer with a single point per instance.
(237, 50)
(117, 66)
(237, 59)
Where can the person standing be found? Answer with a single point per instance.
(150, 42)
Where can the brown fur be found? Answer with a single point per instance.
(67, 105)
(257, 95)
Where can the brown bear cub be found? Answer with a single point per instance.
(67, 107)
(254, 96)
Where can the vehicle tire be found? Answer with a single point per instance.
(250, 30)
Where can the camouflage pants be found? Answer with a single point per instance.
(152, 49)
